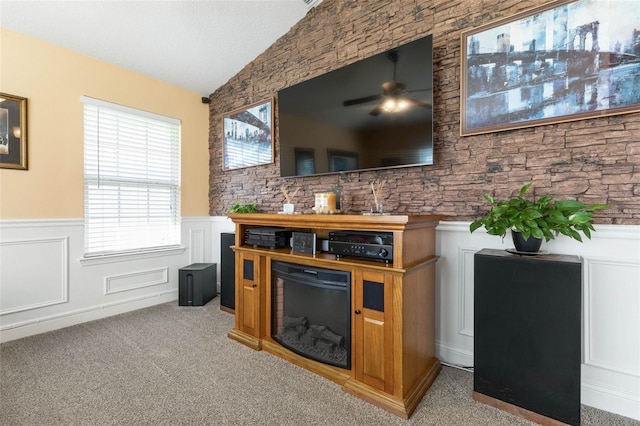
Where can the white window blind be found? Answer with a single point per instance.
(131, 179)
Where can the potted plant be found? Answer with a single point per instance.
(247, 208)
(532, 221)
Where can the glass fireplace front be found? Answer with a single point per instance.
(312, 312)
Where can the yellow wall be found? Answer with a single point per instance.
(53, 79)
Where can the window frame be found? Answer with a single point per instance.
(140, 191)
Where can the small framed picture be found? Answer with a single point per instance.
(304, 242)
(13, 132)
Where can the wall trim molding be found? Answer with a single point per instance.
(463, 254)
(54, 322)
(610, 399)
(111, 288)
(588, 299)
(455, 355)
(32, 223)
(63, 243)
(623, 232)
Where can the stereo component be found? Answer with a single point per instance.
(364, 244)
(271, 237)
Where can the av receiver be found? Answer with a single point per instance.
(272, 237)
(365, 244)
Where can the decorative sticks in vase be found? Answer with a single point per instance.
(288, 207)
(376, 187)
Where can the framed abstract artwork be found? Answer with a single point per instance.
(565, 61)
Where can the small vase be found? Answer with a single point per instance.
(530, 245)
(288, 208)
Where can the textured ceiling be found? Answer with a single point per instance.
(194, 44)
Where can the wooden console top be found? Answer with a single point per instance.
(337, 221)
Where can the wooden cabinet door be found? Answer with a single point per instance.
(373, 342)
(248, 293)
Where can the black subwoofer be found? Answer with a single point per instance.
(197, 284)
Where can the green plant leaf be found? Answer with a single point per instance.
(524, 189)
(544, 200)
(575, 235)
(530, 214)
(572, 205)
(475, 225)
(596, 206)
(580, 217)
(537, 233)
(548, 235)
(489, 198)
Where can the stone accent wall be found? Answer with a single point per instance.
(595, 161)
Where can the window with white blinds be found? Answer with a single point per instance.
(131, 180)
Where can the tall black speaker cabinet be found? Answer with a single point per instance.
(227, 272)
(527, 334)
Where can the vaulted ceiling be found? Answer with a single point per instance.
(197, 45)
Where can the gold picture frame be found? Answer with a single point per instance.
(564, 61)
(248, 136)
(13, 132)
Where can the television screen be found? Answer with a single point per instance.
(375, 113)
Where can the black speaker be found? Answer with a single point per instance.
(227, 271)
(527, 331)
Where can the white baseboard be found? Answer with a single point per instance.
(610, 400)
(458, 356)
(67, 319)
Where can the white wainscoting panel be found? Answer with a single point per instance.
(44, 280)
(197, 243)
(135, 280)
(612, 300)
(46, 283)
(465, 296)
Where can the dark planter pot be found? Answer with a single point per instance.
(530, 245)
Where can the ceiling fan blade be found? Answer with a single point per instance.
(363, 100)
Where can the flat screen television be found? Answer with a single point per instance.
(375, 113)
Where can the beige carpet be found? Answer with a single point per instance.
(174, 365)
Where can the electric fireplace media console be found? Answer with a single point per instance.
(389, 336)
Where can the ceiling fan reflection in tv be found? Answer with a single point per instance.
(394, 97)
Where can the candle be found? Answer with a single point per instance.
(325, 202)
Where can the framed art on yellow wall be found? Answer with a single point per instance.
(13, 132)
